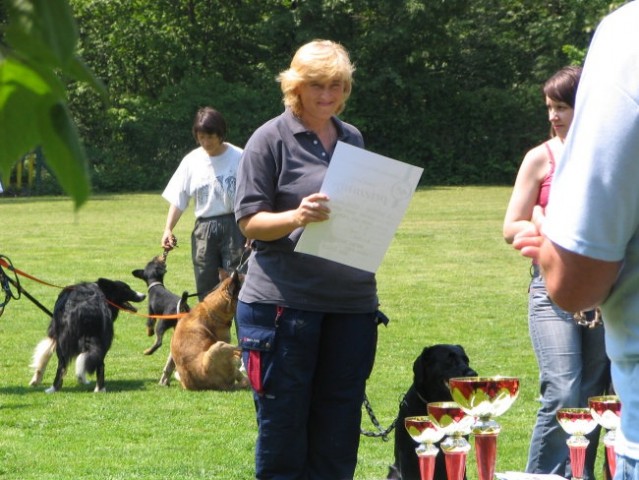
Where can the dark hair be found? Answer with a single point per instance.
(208, 120)
(562, 86)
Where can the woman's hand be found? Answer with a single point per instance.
(268, 226)
(312, 209)
(168, 240)
(530, 239)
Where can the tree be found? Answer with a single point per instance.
(453, 86)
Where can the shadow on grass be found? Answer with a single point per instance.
(26, 199)
(111, 387)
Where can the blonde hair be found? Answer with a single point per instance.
(319, 60)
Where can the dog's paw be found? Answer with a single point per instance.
(51, 389)
(36, 380)
(165, 381)
(393, 473)
(99, 390)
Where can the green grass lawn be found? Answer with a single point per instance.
(448, 277)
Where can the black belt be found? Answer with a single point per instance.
(207, 219)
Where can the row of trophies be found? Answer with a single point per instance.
(476, 403)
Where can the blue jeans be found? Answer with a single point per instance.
(308, 371)
(572, 367)
(627, 469)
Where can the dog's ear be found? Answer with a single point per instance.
(418, 366)
(105, 284)
(107, 287)
(138, 274)
(236, 283)
(463, 354)
(161, 268)
(184, 307)
(222, 274)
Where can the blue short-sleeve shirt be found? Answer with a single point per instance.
(282, 163)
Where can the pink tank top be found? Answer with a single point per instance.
(544, 188)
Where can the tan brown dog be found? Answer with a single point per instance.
(200, 347)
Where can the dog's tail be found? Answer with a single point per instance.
(41, 356)
(81, 369)
(89, 360)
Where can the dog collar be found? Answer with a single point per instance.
(421, 398)
(154, 284)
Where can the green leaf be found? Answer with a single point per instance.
(21, 93)
(64, 152)
(42, 30)
(32, 114)
(42, 37)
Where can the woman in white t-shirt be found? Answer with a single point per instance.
(208, 175)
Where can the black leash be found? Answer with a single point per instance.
(244, 259)
(240, 266)
(5, 280)
(381, 432)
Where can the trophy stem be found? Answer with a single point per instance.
(427, 464)
(486, 455)
(612, 459)
(486, 430)
(577, 446)
(455, 465)
(609, 442)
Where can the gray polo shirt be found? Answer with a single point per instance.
(282, 163)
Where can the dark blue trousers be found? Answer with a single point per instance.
(308, 371)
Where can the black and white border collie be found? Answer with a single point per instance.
(82, 327)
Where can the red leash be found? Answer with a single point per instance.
(9, 266)
(175, 316)
(4, 263)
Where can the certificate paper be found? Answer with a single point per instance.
(369, 194)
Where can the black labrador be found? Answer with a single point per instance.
(431, 372)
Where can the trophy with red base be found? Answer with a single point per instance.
(485, 398)
(425, 432)
(606, 410)
(577, 422)
(455, 423)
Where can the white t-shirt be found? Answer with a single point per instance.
(593, 208)
(209, 180)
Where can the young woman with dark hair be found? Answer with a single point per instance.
(572, 359)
